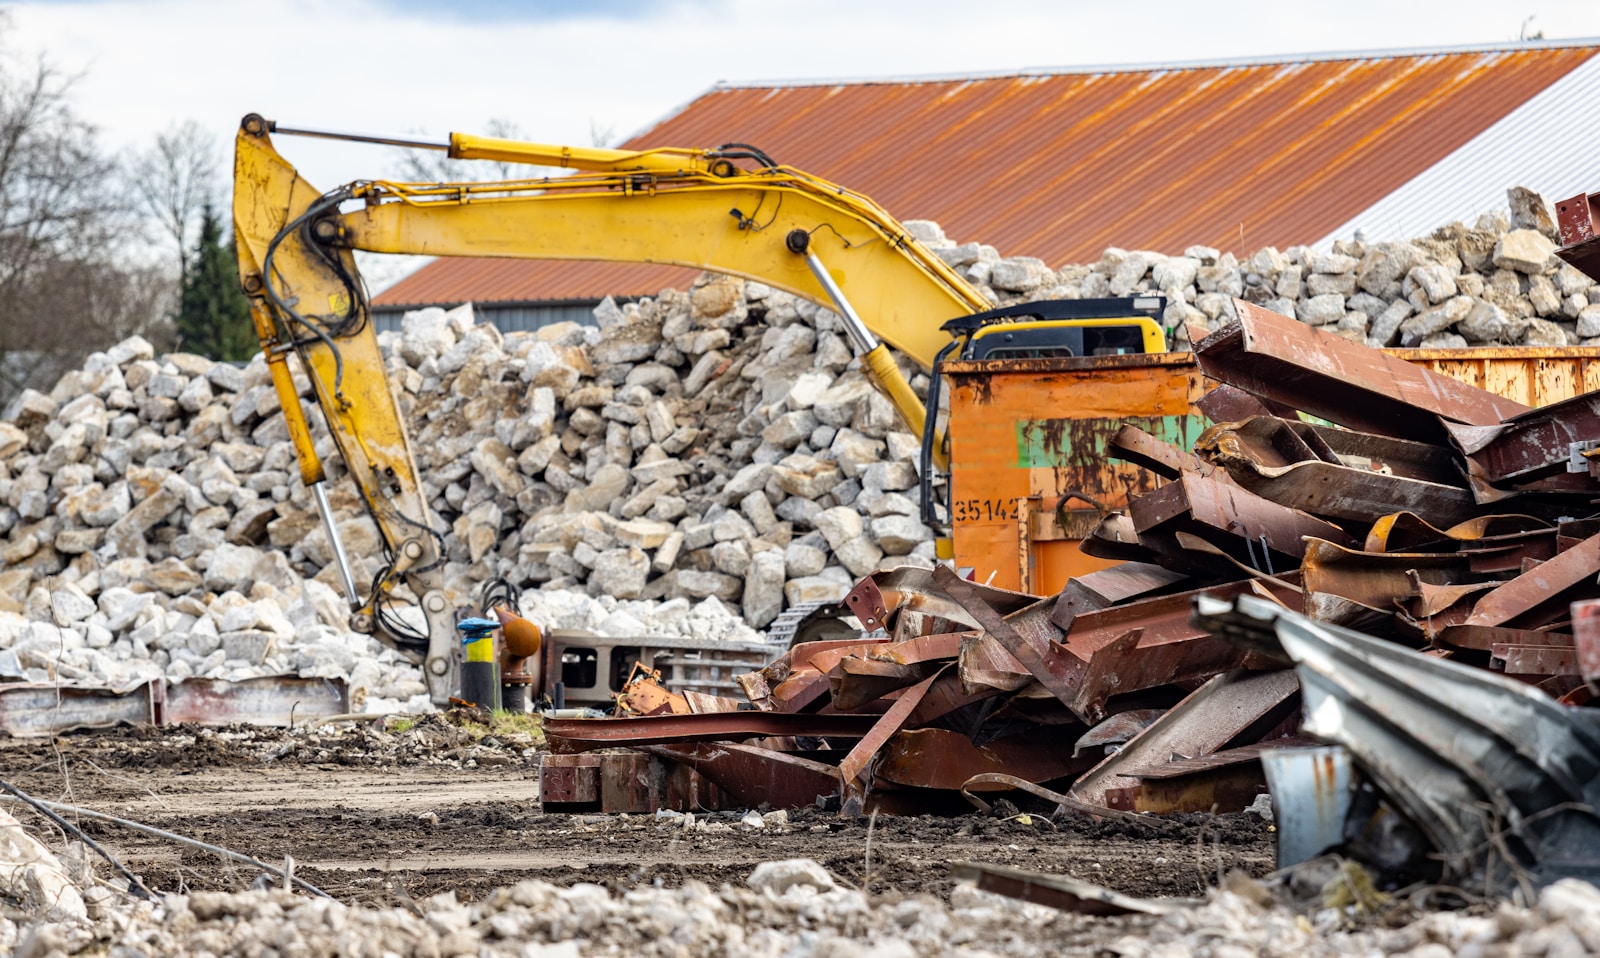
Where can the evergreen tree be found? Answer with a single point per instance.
(213, 316)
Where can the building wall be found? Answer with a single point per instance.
(511, 318)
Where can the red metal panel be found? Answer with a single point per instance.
(569, 779)
(1062, 166)
(1579, 244)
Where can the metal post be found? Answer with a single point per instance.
(379, 139)
(339, 556)
(859, 333)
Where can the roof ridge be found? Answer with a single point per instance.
(1226, 63)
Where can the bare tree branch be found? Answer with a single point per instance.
(66, 288)
(174, 180)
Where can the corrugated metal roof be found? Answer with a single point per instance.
(1061, 164)
(1534, 145)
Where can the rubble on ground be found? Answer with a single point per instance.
(718, 446)
(791, 908)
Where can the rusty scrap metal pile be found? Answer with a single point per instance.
(1339, 486)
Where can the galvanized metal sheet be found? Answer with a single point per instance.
(280, 700)
(31, 709)
(1311, 792)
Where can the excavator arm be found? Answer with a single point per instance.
(695, 208)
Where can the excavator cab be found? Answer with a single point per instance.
(1063, 329)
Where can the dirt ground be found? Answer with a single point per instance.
(382, 817)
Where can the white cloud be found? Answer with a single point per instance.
(366, 65)
(372, 66)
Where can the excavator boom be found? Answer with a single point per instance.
(730, 210)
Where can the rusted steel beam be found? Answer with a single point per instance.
(1153, 642)
(943, 646)
(798, 691)
(1035, 650)
(1377, 579)
(1541, 443)
(1107, 587)
(1207, 720)
(1260, 441)
(881, 595)
(1293, 465)
(1060, 892)
(1125, 648)
(1426, 461)
(1116, 729)
(1407, 532)
(1132, 444)
(1246, 525)
(1348, 383)
(1270, 441)
(1224, 781)
(944, 696)
(1546, 583)
(1344, 492)
(569, 779)
(614, 782)
(701, 703)
(985, 664)
(1228, 403)
(1114, 538)
(580, 735)
(752, 776)
(1139, 660)
(939, 758)
(855, 682)
(1483, 638)
(758, 686)
(1578, 219)
(1164, 617)
(890, 722)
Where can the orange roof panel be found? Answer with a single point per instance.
(1062, 165)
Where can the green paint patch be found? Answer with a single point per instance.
(1074, 443)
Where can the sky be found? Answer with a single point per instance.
(586, 70)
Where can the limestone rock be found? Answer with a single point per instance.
(1529, 212)
(1020, 274)
(1321, 310)
(1524, 250)
(620, 573)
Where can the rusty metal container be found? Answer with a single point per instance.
(1531, 375)
(1029, 471)
(1030, 476)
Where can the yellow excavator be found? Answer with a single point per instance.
(731, 210)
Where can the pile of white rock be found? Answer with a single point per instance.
(793, 908)
(691, 461)
(1497, 282)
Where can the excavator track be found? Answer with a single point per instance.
(812, 622)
